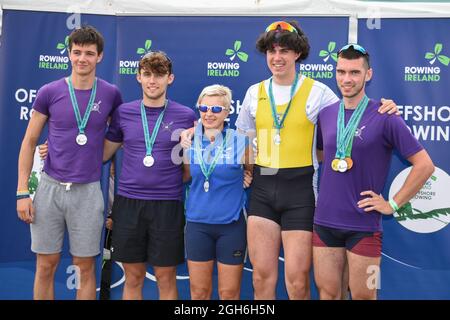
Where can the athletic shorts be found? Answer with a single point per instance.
(149, 231)
(366, 244)
(226, 243)
(286, 197)
(79, 207)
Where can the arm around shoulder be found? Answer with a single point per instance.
(109, 149)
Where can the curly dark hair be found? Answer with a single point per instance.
(291, 40)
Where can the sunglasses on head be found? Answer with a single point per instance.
(214, 109)
(151, 53)
(355, 46)
(281, 25)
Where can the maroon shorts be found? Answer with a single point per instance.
(362, 243)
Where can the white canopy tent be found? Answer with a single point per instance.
(236, 7)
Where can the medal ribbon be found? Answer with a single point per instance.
(207, 171)
(81, 123)
(346, 134)
(149, 141)
(277, 123)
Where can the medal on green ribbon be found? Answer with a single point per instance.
(208, 170)
(346, 134)
(81, 138)
(277, 122)
(150, 140)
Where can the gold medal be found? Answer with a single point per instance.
(334, 164)
(349, 163)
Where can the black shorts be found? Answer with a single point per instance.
(286, 197)
(149, 231)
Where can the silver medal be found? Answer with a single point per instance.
(277, 139)
(81, 139)
(342, 165)
(148, 161)
(206, 186)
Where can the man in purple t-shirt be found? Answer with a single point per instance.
(357, 145)
(76, 110)
(148, 213)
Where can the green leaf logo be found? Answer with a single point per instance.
(63, 46)
(33, 182)
(235, 52)
(146, 48)
(432, 56)
(326, 54)
(407, 212)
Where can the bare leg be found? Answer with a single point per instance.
(364, 272)
(166, 278)
(297, 261)
(86, 267)
(46, 265)
(200, 279)
(264, 240)
(328, 269)
(230, 277)
(134, 280)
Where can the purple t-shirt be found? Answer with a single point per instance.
(376, 137)
(163, 180)
(66, 160)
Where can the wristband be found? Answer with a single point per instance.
(394, 205)
(23, 196)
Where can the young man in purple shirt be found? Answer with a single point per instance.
(76, 110)
(148, 213)
(357, 145)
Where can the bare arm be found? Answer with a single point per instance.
(186, 166)
(186, 172)
(422, 169)
(248, 161)
(25, 209)
(319, 154)
(109, 149)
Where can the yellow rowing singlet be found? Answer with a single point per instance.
(297, 133)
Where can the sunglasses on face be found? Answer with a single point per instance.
(355, 46)
(281, 25)
(214, 109)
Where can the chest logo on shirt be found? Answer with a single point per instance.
(359, 131)
(96, 106)
(167, 126)
(227, 154)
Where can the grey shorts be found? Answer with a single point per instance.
(80, 208)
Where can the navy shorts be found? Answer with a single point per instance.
(366, 244)
(226, 243)
(149, 231)
(286, 197)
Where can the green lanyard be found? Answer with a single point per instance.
(149, 141)
(278, 124)
(346, 134)
(207, 171)
(81, 123)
